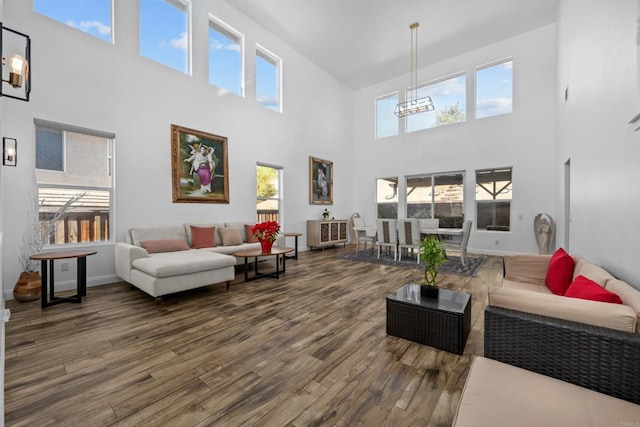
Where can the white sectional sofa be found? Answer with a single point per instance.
(162, 260)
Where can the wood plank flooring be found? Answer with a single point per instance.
(308, 349)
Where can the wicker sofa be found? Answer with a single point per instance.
(592, 344)
(168, 271)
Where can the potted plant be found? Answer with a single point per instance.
(326, 214)
(28, 286)
(267, 233)
(432, 254)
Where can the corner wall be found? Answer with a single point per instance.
(597, 62)
(81, 80)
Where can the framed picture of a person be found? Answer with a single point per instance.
(199, 166)
(320, 181)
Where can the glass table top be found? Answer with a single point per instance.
(447, 300)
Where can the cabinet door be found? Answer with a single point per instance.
(324, 232)
(335, 231)
(343, 230)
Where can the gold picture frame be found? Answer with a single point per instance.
(199, 166)
(320, 181)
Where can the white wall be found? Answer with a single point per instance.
(83, 81)
(597, 62)
(524, 139)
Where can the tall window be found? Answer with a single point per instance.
(387, 197)
(226, 65)
(165, 32)
(93, 17)
(437, 196)
(268, 79)
(493, 199)
(494, 89)
(449, 98)
(72, 161)
(386, 120)
(269, 195)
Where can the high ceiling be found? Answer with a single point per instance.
(361, 42)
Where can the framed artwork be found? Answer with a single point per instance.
(320, 181)
(199, 166)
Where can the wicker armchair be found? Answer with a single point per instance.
(594, 357)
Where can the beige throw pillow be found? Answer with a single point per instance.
(230, 236)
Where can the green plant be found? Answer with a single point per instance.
(432, 254)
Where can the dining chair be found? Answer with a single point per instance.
(387, 235)
(361, 235)
(461, 246)
(429, 222)
(409, 237)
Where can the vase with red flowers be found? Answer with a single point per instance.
(267, 233)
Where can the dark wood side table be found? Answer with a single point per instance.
(47, 274)
(443, 322)
(295, 236)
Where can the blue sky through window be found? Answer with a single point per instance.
(225, 60)
(386, 120)
(164, 33)
(494, 90)
(91, 16)
(267, 83)
(445, 94)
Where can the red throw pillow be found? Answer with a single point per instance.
(250, 238)
(203, 237)
(559, 272)
(169, 245)
(588, 289)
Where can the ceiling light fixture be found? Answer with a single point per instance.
(414, 105)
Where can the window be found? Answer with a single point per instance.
(449, 98)
(72, 161)
(268, 79)
(268, 185)
(165, 34)
(437, 196)
(493, 199)
(386, 120)
(226, 66)
(494, 89)
(387, 197)
(93, 17)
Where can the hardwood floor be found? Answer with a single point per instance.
(308, 349)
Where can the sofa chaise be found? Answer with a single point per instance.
(589, 343)
(167, 259)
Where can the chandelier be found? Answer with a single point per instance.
(414, 104)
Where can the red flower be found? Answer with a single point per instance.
(266, 230)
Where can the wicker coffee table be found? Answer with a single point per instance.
(443, 322)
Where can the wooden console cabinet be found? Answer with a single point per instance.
(322, 233)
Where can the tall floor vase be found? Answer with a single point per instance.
(28, 287)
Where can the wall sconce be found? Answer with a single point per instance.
(10, 151)
(14, 68)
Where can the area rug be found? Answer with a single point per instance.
(452, 266)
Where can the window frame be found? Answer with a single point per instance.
(221, 27)
(433, 177)
(280, 196)
(186, 6)
(475, 95)
(111, 38)
(452, 76)
(110, 158)
(389, 179)
(494, 201)
(275, 60)
(397, 121)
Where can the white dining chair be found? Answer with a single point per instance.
(461, 246)
(387, 236)
(409, 237)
